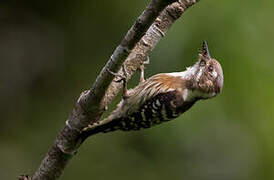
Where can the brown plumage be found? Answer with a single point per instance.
(164, 96)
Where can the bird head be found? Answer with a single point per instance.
(207, 74)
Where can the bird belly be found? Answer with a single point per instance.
(161, 108)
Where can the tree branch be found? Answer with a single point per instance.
(90, 106)
(142, 49)
(154, 34)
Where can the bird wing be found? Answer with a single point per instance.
(160, 83)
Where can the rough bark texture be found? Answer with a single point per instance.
(134, 48)
(154, 34)
(142, 49)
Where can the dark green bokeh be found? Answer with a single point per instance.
(51, 51)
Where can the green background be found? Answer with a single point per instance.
(50, 51)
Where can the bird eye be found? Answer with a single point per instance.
(210, 68)
(202, 63)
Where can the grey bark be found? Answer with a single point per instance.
(133, 50)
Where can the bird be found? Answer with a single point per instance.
(163, 97)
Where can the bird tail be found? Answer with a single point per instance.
(109, 124)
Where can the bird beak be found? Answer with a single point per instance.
(205, 52)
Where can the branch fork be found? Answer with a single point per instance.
(148, 29)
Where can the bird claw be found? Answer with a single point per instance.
(142, 73)
(86, 128)
(142, 70)
(91, 126)
(147, 61)
(122, 78)
(117, 75)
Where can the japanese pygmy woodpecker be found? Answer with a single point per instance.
(164, 96)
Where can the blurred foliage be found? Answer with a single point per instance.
(50, 51)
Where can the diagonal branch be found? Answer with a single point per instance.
(154, 34)
(142, 49)
(90, 106)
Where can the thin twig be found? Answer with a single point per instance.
(92, 103)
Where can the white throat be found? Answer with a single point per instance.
(190, 95)
(187, 74)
